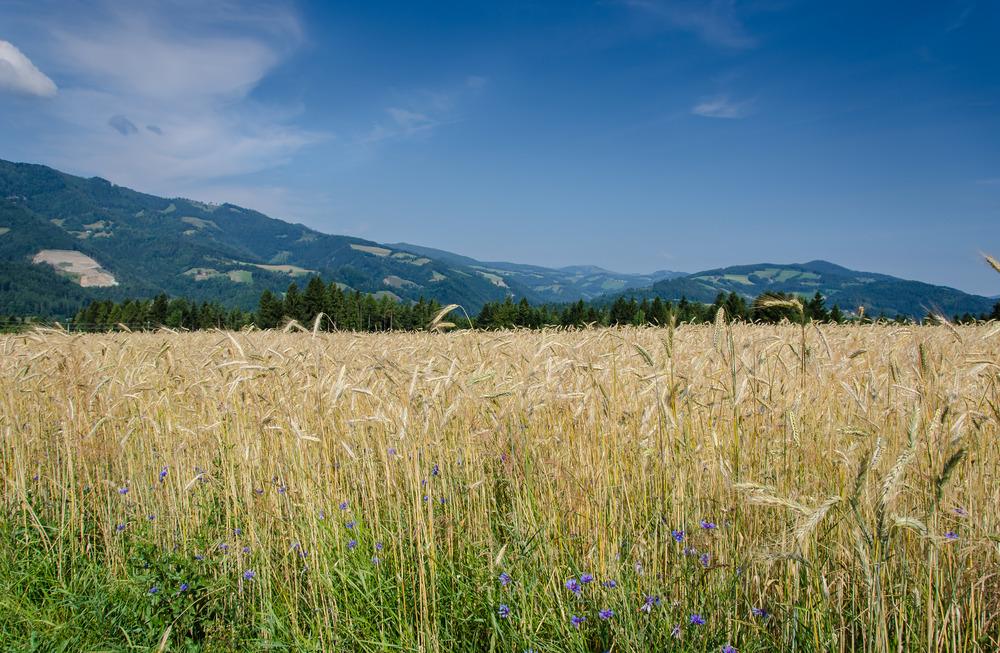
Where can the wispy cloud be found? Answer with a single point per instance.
(19, 75)
(994, 181)
(424, 110)
(716, 22)
(185, 69)
(409, 122)
(721, 107)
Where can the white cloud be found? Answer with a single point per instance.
(716, 22)
(183, 68)
(721, 107)
(19, 75)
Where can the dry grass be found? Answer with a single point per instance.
(836, 466)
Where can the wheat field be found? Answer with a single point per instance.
(698, 488)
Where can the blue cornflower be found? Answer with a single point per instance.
(154, 590)
(223, 547)
(392, 452)
(376, 561)
(350, 524)
(573, 585)
(200, 557)
(677, 535)
(696, 620)
(436, 470)
(707, 525)
(246, 549)
(577, 620)
(704, 559)
(609, 584)
(505, 579)
(651, 602)
(352, 544)
(120, 527)
(606, 614)
(124, 490)
(759, 612)
(184, 586)
(343, 505)
(378, 546)
(586, 578)
(503, 611)
(249, 574)
(951, 535)
(728, 648)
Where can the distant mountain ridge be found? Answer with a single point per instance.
(543, 284)
(849, 289)
(92, 231)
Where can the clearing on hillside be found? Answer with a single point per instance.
(85, 270)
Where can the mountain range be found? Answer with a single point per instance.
(66, 240)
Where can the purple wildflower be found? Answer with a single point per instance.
(759, 612)
(573, 585)
(696, 620)
(728, 648)
(352, 544)
(184, 587)
(707, 525)
(378, 546)
(704, 559)
(951, 535)
(577, 620)
(154, 590)
(609, 584)
(505, 579)
(586, 578)
(651, 602)
(606, 614)
(503, 611)
(248, 574)
(343, 505)
(677, 535)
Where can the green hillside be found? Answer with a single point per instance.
(181, 247)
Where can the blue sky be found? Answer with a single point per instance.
(632, 134)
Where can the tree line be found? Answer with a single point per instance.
(338, 309)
